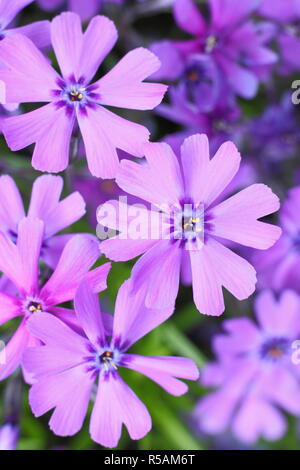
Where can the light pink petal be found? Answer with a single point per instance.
(123, 86)
(98, 40)
(56, 136)
(214, 411)
(67, 40)
(159, 268)
(69, 392)
(220, 171)
(278, 317)
(25, 129)
(10, 8)
(282, 388)
(38, 32)
(54, 333)
(258, 418)
(30, 238)
(120, 249)
(10, 262)
(11, 355)
(215, 266)
(236, 218)
(188, 17)
(195, 162)
(164, 370)
(98, 278)
(77, 258)
(132, 319)
(11, 204)
(117, 404)
(243, 336)
(87, 309)
(159, 183)
(9, 307)
(45, 194)
(100, 150)
(64, 213)
(30, 77)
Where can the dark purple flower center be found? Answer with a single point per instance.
(275, 349)
(73, 94)
(103, 360)
(34, 307)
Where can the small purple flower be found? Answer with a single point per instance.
(45, 205)
(85, 8)
(72, 99)
(230, 38)
(254, 373)
(38, 32)
(286, 18)
(68, 365)
(189, 224)
(20, 263)
(279, 267)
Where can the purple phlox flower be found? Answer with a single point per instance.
(189, 223)
(230, 38)
(73, 100)
(256, 372)
(96, 192)
(20, 263)
(279, 267)
(68, 365)
(286, 18)
(86, 9)
(275, 134)
(9, 436)
(45, 205)
(220, 124)
(38, 32)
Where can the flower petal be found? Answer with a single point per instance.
(67, 40)
(78, 256)
(11, 204)
(236, 218)
(188, 17)
(123, 86)
(11, 355)
(116, 404)
(98, 40)
(38, 32)
(132, 319)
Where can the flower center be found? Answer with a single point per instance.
(274, 349)
(188, 223)
(32, 305)
(210, 43)
(74, 93)
(107, 360)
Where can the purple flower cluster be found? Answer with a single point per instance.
(189, 207)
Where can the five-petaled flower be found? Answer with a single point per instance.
(72, 99)
(66, 367)
(205, 261)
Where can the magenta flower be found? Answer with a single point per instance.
(86, 9)
(67, 366)
(45, 205)
(279, 267)
(38, 32)
(72, 99)
(20, 263)
(191, 224)
(255, 372)
(230, 37)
